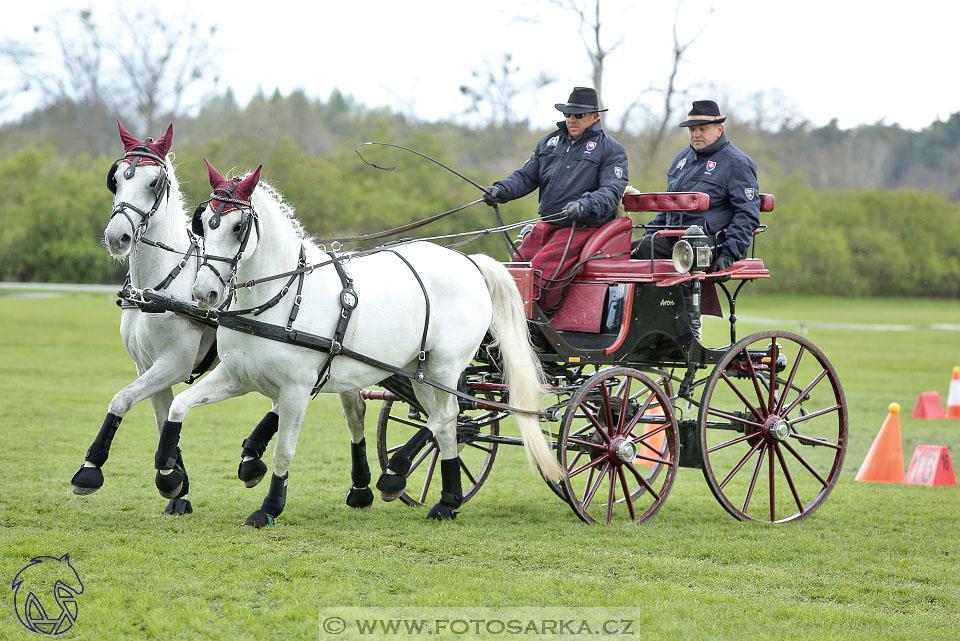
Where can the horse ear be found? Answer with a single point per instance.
(248, 184)
(165, 142)
(213, 174)
(129, 140)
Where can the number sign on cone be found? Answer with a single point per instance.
(931, 466)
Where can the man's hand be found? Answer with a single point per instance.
(574, 210)
(724, 261)
(491, 195)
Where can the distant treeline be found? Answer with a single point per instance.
(862, 212)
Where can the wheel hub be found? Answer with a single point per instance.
(625, 450)
(776, 429)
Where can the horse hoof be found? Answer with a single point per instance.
(259, 519)
(170, 484)
(360, 497)
(178, 507)
(441, 512)
(391, 486)
(251, 472)
(87, 480)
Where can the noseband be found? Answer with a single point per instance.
(247, 213)
(161, 189)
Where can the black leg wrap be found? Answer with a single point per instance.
(451, 496)
(178, 507)
(360, 470)
(251, 472)
(272, 505)
(100, 449)
(256, 444)
(168, 458)
(359, 497)
(400, 462)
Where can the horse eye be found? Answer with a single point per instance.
(236, 228)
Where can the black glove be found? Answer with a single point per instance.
(574, 210)
(724, 261)
(491, 195)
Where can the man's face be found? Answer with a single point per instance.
(576, 125)
(704, 135)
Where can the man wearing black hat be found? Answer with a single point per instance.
(581, 172)
(711, 164)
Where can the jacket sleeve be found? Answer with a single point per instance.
(613, 178)
(522, 181)
(744, 193)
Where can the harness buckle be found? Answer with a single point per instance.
(335, 347)
(298, 300)
(422, 356)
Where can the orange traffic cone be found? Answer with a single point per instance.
(884, 462)
(655, 441)
(953, 397)
(929, 406)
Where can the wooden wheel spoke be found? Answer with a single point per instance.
(628, 430)
(406, 421)
(607, 409)
(488, 449)
(591, 465)
(786, 474)
(466, 470)
(732, 418)
(573, 462)
(807, 417)
(429, 477)
(753, 481)
(789, 384)
(739, 439)
(809, 440)
(588, 496)
(611, 495)
(772, 396)
(596, 424)
(624, 404)
(773, 494)
(804, 462)
(643, 481)
(626, 494)
(743, 461)
(751, 368)
(590, 444)
(800, 397)
(736, 390)
(642, 440)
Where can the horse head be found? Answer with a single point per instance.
(141, 184)
(227, 223)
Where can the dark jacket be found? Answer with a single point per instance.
(729, 177)
(591, 169)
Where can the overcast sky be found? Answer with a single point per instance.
(855, 60)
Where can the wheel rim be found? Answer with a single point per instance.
(395, 428)
(772, 446)
(616, 421)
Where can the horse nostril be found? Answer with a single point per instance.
(212, 297)
(125, 240)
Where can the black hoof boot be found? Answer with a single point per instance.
(451, 496)
(87, 480)
(272, 506)
(391, 486)
(177, 507)
(252, 472)
(170, 485)
(360, 497)
(259, 519)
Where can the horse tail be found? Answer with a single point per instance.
(522, 372)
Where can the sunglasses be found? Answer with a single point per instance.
(577, 116)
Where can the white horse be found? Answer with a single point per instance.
(250, 233)
(148, 230)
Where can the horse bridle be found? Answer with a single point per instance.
(247, 214)
(161, 189)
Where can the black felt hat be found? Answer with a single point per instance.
(581, 100)
(703, 112)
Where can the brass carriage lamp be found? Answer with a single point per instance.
(692, 251)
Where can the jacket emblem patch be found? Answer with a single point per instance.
(711, 165)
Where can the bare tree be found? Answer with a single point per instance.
(144, 70)
(497, 91)
(590, 25)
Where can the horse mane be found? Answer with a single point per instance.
(283, 206)
(175, 185)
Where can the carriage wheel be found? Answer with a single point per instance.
(395, 428)
(772, 442)
(618, 443)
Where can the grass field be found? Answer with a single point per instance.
(875, 562)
